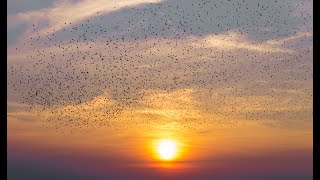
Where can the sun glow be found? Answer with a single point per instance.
(167, 149)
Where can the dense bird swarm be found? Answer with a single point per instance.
(232, 54)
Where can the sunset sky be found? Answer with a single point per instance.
(160, 89)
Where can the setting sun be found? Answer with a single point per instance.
(167, 149)
(159, 89)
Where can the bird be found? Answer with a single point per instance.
(142, 56)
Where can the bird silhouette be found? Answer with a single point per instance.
(237, 56)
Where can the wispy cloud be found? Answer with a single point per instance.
(233, 40)
(64, 12)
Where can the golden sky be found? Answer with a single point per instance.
(230, 83)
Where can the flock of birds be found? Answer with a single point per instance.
(92, 72)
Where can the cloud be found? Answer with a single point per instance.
(171, 17)
(129, 63)
(282, 41)
(64, 12)
(177, 105)
(232, 40)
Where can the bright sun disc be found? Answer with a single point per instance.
(167, 149)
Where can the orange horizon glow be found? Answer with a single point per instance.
(159, 89)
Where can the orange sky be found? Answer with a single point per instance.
(231, 86)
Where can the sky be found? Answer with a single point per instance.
(94, 86)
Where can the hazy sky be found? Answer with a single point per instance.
(93, 86)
